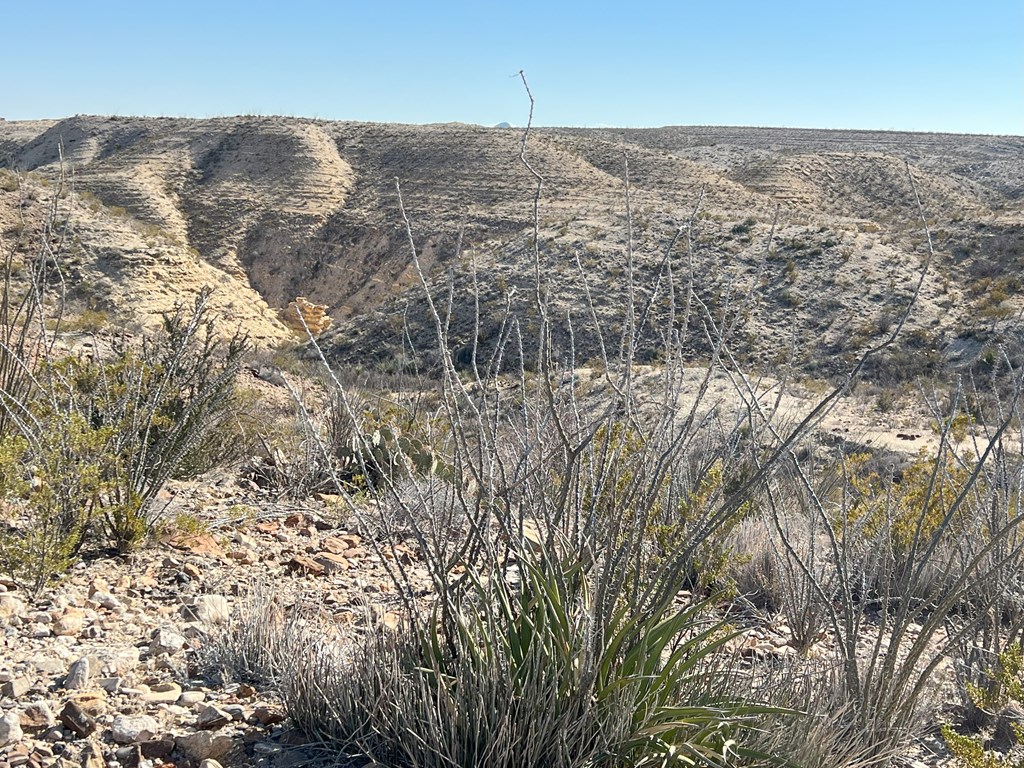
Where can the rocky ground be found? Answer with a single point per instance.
(114, 667)
(117, 667)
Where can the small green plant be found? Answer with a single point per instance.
(87, 321)
(187, 524)
(886, 401)
(1005, 683)
(744, 227)
(104, 435)
(969, 752)
(285, 357)
(152, 231)
(789, 297)
(959, 427)
(919, 504)
(49, 503)
(791, 271)
(241, 512)
(713, 560)
(90, 200)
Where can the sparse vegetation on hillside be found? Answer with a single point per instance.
(847, 246)
(604, 544)
(583, 517)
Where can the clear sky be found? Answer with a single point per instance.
(943, 65)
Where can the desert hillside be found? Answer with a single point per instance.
(727, 433)
(268, 209)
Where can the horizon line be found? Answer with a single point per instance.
(505, 125)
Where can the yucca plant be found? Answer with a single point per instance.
(530, 677)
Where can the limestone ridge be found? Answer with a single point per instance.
(270, 209)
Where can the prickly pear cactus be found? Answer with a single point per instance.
(385, 453)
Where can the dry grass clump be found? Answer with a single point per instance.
(258, 642)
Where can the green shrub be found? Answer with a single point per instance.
(232, 432)
(1005, 682)
(104, 436)
(744, 226)
(919, 504)
(970, 753)
(88, 321)
(50, 502)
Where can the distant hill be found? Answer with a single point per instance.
(267, 209)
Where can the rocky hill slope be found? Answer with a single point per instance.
(267, 209)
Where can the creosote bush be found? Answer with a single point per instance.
(997, 699)
(917, 502)
(86, 442)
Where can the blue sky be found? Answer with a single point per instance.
(899, 64)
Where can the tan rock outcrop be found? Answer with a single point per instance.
(302, 314)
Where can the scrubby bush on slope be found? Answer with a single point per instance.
(87, 440)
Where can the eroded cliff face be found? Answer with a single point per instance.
(820, 228)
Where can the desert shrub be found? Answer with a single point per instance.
(1002, 684)
(89, 320)
(9, 181)
(527, 677)
(50, 501)
(916, 567)
(698, 494)
(914, 503)
(969, 752)
(743, 228)
(886, 400)
(256, 643)
(94, 438)
(123, 426)
(828, 732)
(772, 577)
(287, 357)
(1005, 681)
(900, 364)
(232, 432)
